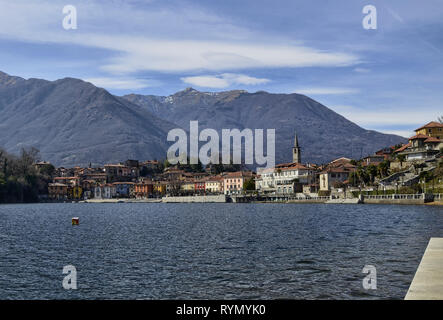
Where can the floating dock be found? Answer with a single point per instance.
(428, 279)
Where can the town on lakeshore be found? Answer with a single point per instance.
(408, 173)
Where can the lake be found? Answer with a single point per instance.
(212, 251)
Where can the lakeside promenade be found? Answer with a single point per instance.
(403, 199)
(428, 280)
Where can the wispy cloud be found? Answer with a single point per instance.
(135, 47)
(389, 120)
(362, 70)
(223, 81)
(121, 83)
(326, 91)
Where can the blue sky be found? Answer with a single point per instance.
(388, 79)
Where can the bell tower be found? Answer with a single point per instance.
(296, 156)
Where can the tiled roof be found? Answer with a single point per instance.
(337, 170)
(290, 165)
(419, 136)
(403, 147)
(432, 139)
(238, 174)
(123, 183)
(432, 124)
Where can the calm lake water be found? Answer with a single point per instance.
(212, 251)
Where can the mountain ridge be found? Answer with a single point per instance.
(323, 133)
(74, 122)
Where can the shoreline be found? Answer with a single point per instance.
(126, 200)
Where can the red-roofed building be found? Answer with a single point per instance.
(233, 181)
(422, 146)
(431, 129)
(284, 178)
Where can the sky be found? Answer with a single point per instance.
(387, 79)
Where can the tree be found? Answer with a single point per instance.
(383, 168)
(249, 184)
(372, 172)
(401, 158)
(440, 119)
(20, 179)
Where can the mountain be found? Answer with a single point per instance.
(72, 122)
(322, 133)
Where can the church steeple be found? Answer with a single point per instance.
(296, 157)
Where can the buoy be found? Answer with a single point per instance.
(75, 221)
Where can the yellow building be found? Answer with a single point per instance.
(188, 186)
(432, 129)
(160, 187)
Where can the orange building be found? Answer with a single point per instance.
(143, 189)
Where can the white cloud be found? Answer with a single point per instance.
(388, 120)
(401, 133)
(164, 40)
(326, 91)
(362, 70)
(223, 81)
(121, 84)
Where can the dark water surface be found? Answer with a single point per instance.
(212, 251)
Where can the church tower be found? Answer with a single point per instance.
(296, 156)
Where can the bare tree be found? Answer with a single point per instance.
(440, 119)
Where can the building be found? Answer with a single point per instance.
(296, 153)
(284, 178)
(386, 153)
(159, 187)
(432, 129)
(214, 184)
(336, 173)
(233, 181)
(374, 160)
(152, 165)
(132, 163)
(58, 191)
(420, 147)
(199, 185)
(123, 189)
(332, 177)
(143, 189)
(98, 177)
(187, 186)
(120, 172)
(105, 191)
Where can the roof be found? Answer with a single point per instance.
(238, 174)
(419, 137)
(402, 148)
(336, 170)
(114, 165)
(57, 184)
(214, 179)
(432, 124)
(342, 159)
(432, 139)
(290, 165)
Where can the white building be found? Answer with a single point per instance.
(106, 191)
(214, 185)
(284, 178)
